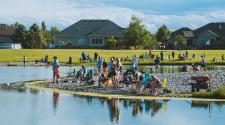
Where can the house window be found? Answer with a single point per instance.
(100, 41)
(97, 41)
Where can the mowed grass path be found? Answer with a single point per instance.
(63, 55)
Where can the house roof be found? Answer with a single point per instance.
(6, 30)
(209, 31)
(186, 32)
(216, 28)
(91, 28)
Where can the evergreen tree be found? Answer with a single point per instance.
(44, 35)
(21, 35)
(34, 37)
(136, 34)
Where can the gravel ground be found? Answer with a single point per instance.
(177, 83)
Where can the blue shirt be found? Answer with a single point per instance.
(99, 63)
(55, 65)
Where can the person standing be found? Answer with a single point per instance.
(193, 56)
(161, 55)
(24, 60)
(104, 66)
(186, 53)
(173, 54)
(203, 62)
(222, 57)
(46, 58)
(99, 65)
(56, 70)
(135, 62)
(95, 56)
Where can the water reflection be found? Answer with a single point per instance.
(151, 107)
(56, 97)
(137, 106)
(62, 109)
(34, 91)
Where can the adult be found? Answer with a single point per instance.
(95, 56)
(186, 53)
(162, 55)
(135, 62)
(24, 60)
(83, 55)
(110, 64)
(203, 62)
(46, 58)
(154, 83)
(193, 56)
(84, 71)
(99, 64)
(173, 54)
(104, 68)
(56, 70)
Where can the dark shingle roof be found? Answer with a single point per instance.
(6, 30)
(216, 28)
(183, 31)
(92, 28)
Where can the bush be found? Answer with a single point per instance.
(218, 94)
(131, 47)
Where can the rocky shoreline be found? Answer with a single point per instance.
(177, 83)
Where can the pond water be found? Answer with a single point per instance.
(20, 73)
(41, 108)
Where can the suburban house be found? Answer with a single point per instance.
(88, 34)
(181, 38)
(210, 36)
(6, 34)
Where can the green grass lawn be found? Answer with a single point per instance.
(218, 94)
(63, 55)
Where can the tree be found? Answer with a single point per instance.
(43, 26)
(21, 35)
(44, 35)
(111, 42)
(136, 34)
(52, 32)
(163, 34)
(34, 36)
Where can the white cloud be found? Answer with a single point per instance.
(66, 12)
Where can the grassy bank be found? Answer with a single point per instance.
(218, 94)
(63, 54)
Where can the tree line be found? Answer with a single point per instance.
(34, 37)
(138, 37)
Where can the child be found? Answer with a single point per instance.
(56, 70)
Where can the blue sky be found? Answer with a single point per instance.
(62, 13)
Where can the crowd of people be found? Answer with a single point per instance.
(110, 74)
